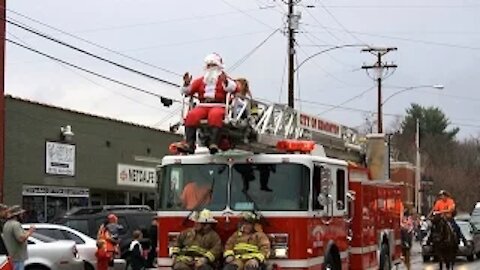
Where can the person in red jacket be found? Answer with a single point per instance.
(103, 256)
(211, 89)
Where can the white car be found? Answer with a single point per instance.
(45, 253)
(86, 245)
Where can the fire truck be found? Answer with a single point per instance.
(320, 212)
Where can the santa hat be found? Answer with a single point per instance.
(214, 59)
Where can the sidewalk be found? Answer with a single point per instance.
(416, 256)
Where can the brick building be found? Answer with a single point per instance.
(404, 173)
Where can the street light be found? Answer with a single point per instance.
(434, 86)
(327, 50)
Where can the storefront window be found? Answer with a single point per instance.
(35, 209)
(56, 207)
(77, 202)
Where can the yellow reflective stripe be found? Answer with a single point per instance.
(183, 258)
(228, 253)
(246, 247)
(258, 256)
(210, 256)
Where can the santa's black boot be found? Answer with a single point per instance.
(191, 137)
(214, 139)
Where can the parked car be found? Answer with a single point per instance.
(86, 245)
(46, 253)
(475, 215)
(132, 217)
(468, 250)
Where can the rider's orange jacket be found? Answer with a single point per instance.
(446, 205)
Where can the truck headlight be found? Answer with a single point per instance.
(279, 242)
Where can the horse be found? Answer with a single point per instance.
(444, 240)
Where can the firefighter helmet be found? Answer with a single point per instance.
(204, 216)
(250, 217)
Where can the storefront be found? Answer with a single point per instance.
(45, 203)
(57, 159)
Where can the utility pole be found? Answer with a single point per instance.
(293, 20)
(3, 22)
(379, 67)
(418, 197)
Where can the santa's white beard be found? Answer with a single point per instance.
(211, 75)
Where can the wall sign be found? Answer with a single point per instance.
(130, 175)
(319, 125)
(55, 191)
(60, 158)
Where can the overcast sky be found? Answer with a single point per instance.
(438, 43)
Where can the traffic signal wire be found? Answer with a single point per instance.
(94, 44)
(162, 98)
(90, 54)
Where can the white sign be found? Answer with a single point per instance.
(60, 158)
(130, 175)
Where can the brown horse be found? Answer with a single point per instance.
(444, 240)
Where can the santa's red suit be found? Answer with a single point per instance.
(212, 96)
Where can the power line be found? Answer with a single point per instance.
(248, 15)
(347, 101)
(427, 42)
(373, 112)
(251, 52)
(91, 54)
(162, 98)
(323, 26)
(95, 44)
(339, 23)
(92, 81)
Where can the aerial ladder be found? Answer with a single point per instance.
(257, 127)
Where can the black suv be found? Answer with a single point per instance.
(131, 217)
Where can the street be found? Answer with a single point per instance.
(418, 264)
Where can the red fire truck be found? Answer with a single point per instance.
(319, 212)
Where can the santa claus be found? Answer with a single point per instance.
(211, 90)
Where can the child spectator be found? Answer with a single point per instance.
(103, 257)
(137, 260)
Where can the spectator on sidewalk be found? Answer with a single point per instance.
(103, 256)
(406, 235)
(3, 219)
(15, 237)
(136, 260)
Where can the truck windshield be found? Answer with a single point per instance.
(271, 187)
(194, 187)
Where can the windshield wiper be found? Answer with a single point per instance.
(256, 210)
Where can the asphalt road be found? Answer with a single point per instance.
(418, 264)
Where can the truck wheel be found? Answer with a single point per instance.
(426, 258)
(385, 263)
(470, 258)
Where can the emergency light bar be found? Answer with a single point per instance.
(296, 146)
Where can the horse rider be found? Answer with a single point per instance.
(211, 89)
(247, 248)
(198, 247)
(445, 206)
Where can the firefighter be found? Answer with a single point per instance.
(445, 206)
(198, 247)
(211, 90)
(247, 248)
